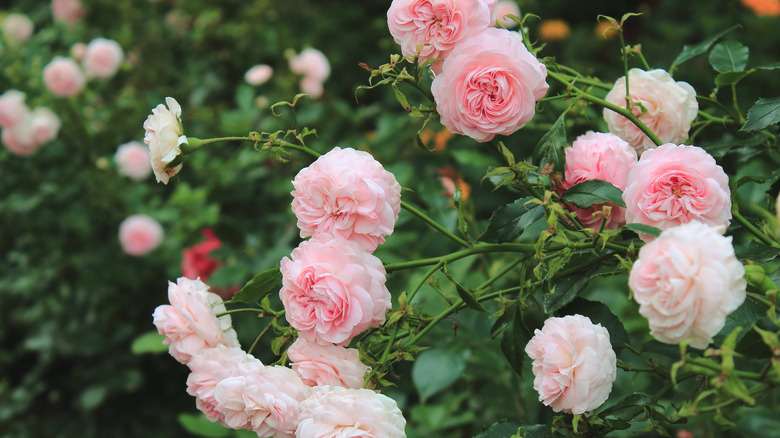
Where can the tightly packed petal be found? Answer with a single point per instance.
(331, 365)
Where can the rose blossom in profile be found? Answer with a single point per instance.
(341, 412)
(132, 159)
(68, 11)
(331, 365)
(12, 108)
(209, 367)
(573, 364)
(195, 259)
(489, 85)
(596, 155)
(670, 108)
(504, 8)
(349, 194)
(45, 125)
(687, 281)
(139, 234)
(190, 323)
(102, 58)
(672, 185)
(17, 28)
(63, 77)
(164, 136)
(431, 29)
(332, 290)
(259, 74)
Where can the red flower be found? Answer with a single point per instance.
(196, 261)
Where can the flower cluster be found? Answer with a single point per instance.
(101, 59)
(24, 131)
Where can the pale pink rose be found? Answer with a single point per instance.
(504, 8)
(190, 323)
(686, 282)
(12, 108)
(332, 290)
(489, 85)
(311, 63)
(164, 136)
(349, 194)
(596, 155)
(320, 365)
(573, 364)
(17, 28)
(45, 125)
(209, 367)
(672, 185)
(431, 29)
(63, 77)
(258, 74)
(261, 398)
(19, 138)
(312, 86)
(102, 58)
(68, 11)
(139, 234)
(670, 108)
(77, 51)
(334, 412)
(132, 159)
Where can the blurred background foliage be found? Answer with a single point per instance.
(72, 303)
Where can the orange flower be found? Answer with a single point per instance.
(603, 30)
(763, 7)
(439, 138)
(452, 182)
(554, 30)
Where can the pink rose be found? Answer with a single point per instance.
(63, 77)
(312, 86)
(258, 74)
(209, 367)
(17, 28)
(102, 58)
(164, 136)
(504, 8)
(261, 398)
(573, 364)
(77, 51)
(489, 85)
(331, 412)
(132, 159)
(190, 323)
(12, 108)
(45, 125)
(672, 185)
(331, 365)
(19, 138)
(431, 29)
(596, 155)
(311, 63)
(670, 108)
(139, 234)
(332, 290)
(69, 11)
(686, 282)
(349, 194)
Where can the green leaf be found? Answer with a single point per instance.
(199, 425)
(509, 221)
(506, 429)
(593, 192)
(731, 77)
(150, 342)
(765, 112)
(258, 287)
(729, 56)
(644, 229)
(514, 336)
(465, 295)
(625, 409)
(438, 368)
(689, 52)
(550, 148)
(599, 313)
(566, 290)
(755, 251)
(745, 316)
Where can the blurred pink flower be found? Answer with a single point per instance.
(596, 155)
(258, 74)
(102, 58)
(342, 412)
(132, 159)
(164, 136)
(68, 11)
(17, 28)
(504, 8)
(489, 85)
(139, 234)
(63, 77)
(19, 138)
(77, 51)
(431, 29)
(311, 63)
(349, 194)
(12, 108)
(672, 185)
(669, 107)
(332, 290)
(190, 323)
(687, 281)
(573, 364)
(45, 125)
(329, 364)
